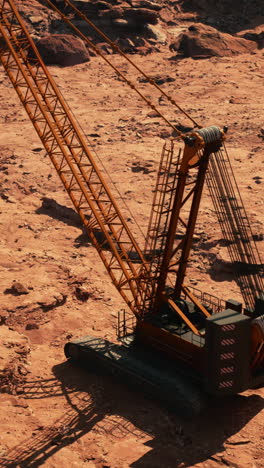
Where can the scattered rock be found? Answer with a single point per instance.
(144, 167)
(32, 326)
(159, 80)
(13, 363)
(82, 294)
(153, 114)
(165, 133)
(145, 4)
(258, 237)
(238, 442)
(37, 15)
(17, 289)
(257, 179)
(11, 199)
(13, 376)
(37, 149)
(61, 49)
(256, 34)
(156, 33)
(261, 133)
(105, 47)
(35, 19)
(121, 23)
(52, 301)
(229, 462)
(126, 45)
(141, 16)
(132, 19)
(202, 41)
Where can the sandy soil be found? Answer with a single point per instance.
(52, 414)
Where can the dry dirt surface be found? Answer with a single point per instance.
(53, 286)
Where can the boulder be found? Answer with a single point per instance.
(82, 293)
(62, 49)
(112, 13)
(37, 16)
(205, 41)
(146, 4)
(126, 45)
(17, 289)
(156, 34)
(105, 48)
(256, 34)
(141, 16)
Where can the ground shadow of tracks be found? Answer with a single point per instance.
(99, 401)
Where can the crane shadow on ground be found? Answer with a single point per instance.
(98, 401)
(69, 216)
(222, 270)
(55, 210)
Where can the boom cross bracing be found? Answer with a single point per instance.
(175, 328)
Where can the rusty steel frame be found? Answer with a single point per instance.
(190, 154)
(71, 156)
(194, 210)
(67, 148)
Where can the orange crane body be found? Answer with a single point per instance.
(175, 327)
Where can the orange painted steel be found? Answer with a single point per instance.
(257, 344)
(182, 315)
(251, 285)
(171, 344)
(194, 300)
(66, 145)
(190, 152)
(192, 218)
(74, 162)
(71, 156)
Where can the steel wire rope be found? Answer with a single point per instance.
(120, 74)
(219, 194)
(242, 205)
(238, 213)
(254, 279)
(115, 47)
(151, 81)
(130, 84)
(223, 212)
(65, 106)
(114, 184)
(105, 169)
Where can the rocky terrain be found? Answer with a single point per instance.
(52, 285)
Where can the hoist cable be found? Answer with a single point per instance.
(119, 73)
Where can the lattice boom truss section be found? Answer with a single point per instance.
(71, 157)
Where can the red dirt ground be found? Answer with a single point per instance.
(54, 415)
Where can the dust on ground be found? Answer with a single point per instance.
(51, 413)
